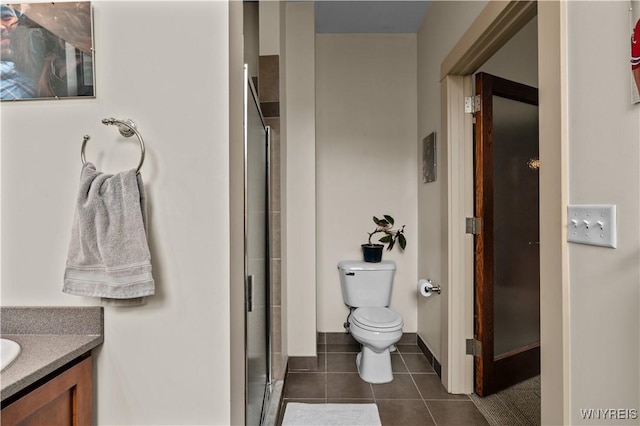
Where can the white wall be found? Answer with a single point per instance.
(270, 16)
(442, 28)
(251, 32)
(517, 60)
(602, 349)
(299, 268)
(236, 215)
(604, 168)
(365, 159)
(176, 88)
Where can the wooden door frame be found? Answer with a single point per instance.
(496, 24)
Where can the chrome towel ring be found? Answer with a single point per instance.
(127, 129)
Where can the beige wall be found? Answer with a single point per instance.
(516, 60)
(179, 98)
(365, 159)
(441, 29)
(251, 33)
(270, 16)
(236, 210)
(591, 335)
(299, 245)
(604, 168)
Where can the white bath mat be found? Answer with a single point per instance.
(297, 414)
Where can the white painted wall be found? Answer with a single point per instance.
(270, 15)
(251, 33)
(365, 160)
(176, 88)
(442, 28)
(604, 168)
(236, 209)
(604, 129)
(517, 60)
(283, 180)
(299, 268)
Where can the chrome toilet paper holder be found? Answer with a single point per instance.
(437, 288)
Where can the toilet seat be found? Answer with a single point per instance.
(377, 318)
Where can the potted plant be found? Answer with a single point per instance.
(372, 252)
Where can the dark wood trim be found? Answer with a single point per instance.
(493, 374)
(512, 90)
(16, 396)
(68, 396)
(483, 241)
(516, 368)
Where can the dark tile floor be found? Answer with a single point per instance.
(414, 397)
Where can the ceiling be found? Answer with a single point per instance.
(360, 16)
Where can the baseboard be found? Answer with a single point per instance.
(430, 357)
(302, 363)
(310, 363)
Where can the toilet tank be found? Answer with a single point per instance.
(366, 283)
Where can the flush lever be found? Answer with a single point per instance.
(350, 273)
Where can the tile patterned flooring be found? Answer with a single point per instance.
(414, 397)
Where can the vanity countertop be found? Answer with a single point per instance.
(49, 337)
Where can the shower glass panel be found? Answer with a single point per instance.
(256, 258)
(516, 235)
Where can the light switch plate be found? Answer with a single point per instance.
(592, 224)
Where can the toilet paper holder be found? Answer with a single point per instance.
(426, 288)
(434, 287)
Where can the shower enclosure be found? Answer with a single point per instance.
(256, 243)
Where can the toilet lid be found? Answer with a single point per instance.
(377, 318)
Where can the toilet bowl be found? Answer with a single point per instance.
(366, 290)
(376, 329)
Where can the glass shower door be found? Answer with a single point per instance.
(256, 258)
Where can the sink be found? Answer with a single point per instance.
(9, 351)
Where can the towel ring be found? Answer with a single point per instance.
(127, 129)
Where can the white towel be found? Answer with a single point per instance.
(109, 253)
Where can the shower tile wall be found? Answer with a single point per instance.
(269, 93)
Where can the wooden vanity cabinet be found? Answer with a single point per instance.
(65, 399)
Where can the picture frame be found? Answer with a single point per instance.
(47, 51)
(634, 20)
(429, 158)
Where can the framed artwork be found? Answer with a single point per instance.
(47, 51)
(635, 51)
(429, 158)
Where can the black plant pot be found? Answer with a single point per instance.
(372, 252)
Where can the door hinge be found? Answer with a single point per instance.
(472, 104)
(474, 347)
(249, 296)
(473, 225)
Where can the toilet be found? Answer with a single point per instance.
(366, 290)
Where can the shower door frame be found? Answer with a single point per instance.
(251, 93)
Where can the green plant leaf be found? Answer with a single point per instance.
(376, 220)
(391, 244)
(386, 239)
(402, 240)
(383, 223)
(389, 219)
